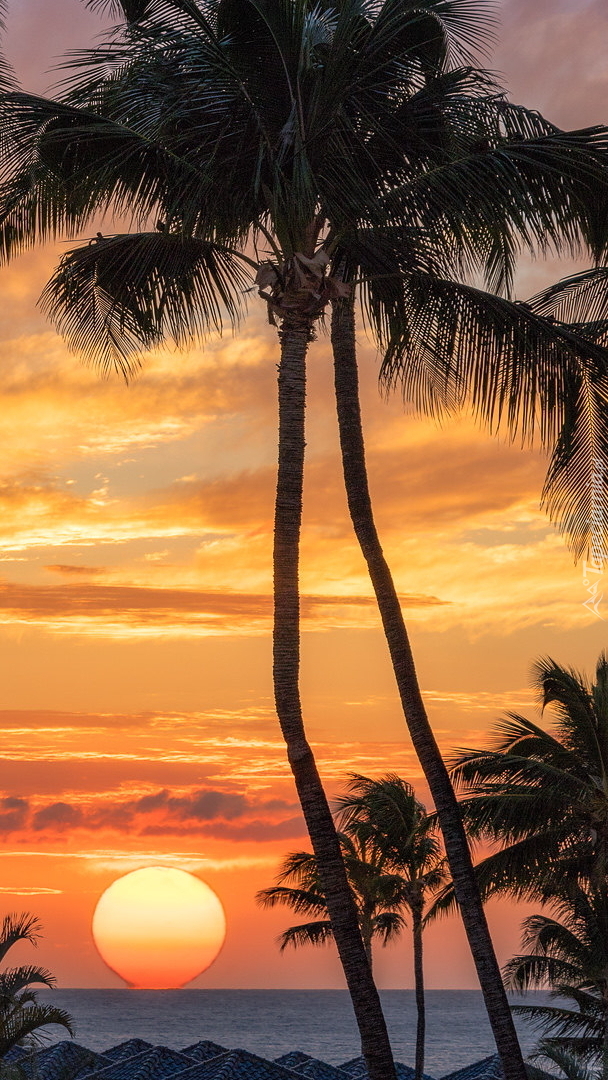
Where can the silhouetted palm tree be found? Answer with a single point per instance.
(568, 954)
(379, 894)
(21, 1014)
(543, 795)
(397, 825)
(449, 345)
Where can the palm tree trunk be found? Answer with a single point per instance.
(416, 909)
(442, 792)
(295, 336)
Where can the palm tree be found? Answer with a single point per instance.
(568, 954)
(447, 344)
(379, 895)
(543, 795)
(460, 315)
(387, 812)
(21, 1015)
(328, 121)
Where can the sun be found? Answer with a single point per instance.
(158, 928)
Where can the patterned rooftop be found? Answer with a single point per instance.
(64, 1060)
(294, 1059)
(320, 1070)
(490, 1069)
(356, 1070)
(128, 1049)
(203, 1050)
(154, 1064)
(239, 1065)
(137, 1059)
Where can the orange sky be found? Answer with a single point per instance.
(135, 542)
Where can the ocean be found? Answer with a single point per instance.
(271, 1022)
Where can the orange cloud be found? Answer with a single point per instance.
(69, 569)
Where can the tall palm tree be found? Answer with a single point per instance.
(543, 795)
(321, 116)
(379, 894)
(568, 954)
(449, 320)
(387, 812)
(569, 401)
(448, 345)
(21, 1014)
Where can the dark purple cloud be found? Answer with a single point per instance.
(208, 812)
(13, 814)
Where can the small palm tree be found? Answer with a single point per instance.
(387, 812)
(568, 954)
(543, 795)
(21, 1014)
(379, 895)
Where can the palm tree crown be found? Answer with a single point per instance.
(387, 812)
(568, 954)
(21, 1015)
(379, 895)
(543, 795)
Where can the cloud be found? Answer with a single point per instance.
(36, 513)
(206, 812)
(258, 831)
(54, 720)
(117, 610)
(104, 859)
(13, 814)
(58, 817)
(69, 569)
(28, 890)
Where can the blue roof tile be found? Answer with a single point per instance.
(238, 1065)
(65, 1059)
(357, 1070)
(320, 1070)
(294, 1059)
(154, 1064)
(14, 1054)
(203, 1050)
(488, 1068)
(127, 1049)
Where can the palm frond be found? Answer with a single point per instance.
(18, 927)
(523, 973)
(302, 901)
(388, 925)
(435, 31)
(561, 1022)
(313, 933)
(579, 298)
(516, 367)
(60, 166)
(26, 1022)
(121, 295)
(571, 1066)
(541, 192)
(14, 980)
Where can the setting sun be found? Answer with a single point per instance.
(159, 927)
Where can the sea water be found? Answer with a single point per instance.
(271, 1022)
